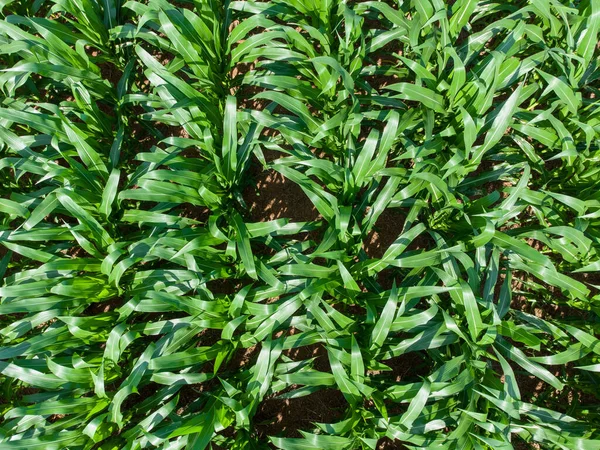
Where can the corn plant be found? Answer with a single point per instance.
(429, 271)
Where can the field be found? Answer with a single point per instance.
(299, 224)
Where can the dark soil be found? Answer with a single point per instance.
(284, 417)
(272, 196)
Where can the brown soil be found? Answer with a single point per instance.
(523, 445)
(386, 230)
(387, 444)
(272, 196)
(406, 367)
(317, 351)
(199, 213)
(111, 73)
(285, 417)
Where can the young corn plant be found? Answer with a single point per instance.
(421, 270)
